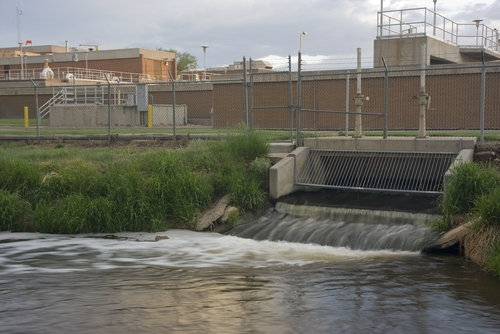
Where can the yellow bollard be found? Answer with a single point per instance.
(150, 116)
(26, 119)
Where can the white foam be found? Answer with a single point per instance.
(29, 252)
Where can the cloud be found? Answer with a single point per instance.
(232, 29)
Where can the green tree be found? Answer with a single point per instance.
(184, 59)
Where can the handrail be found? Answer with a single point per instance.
(425, 22)
(66, 74)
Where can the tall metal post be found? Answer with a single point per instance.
(75, 59)
(290, 96)
(358, 100)
(173, 109)
(109, 110)
(386, 96)
(22, 66)
(422, 96)
(347, 104)
(483, 87)
(299, 96)
(252, 110)
(434, 26)
(245, 92)
(173, 105)
(37, 111)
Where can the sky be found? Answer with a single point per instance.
(257, 29)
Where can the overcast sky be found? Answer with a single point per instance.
(231, 28)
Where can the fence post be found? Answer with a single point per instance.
(290, 96)
(245, 93)
(173, 106)
(299, 96)
(358, 100)
(422, 96)
(386, 96)
(483, 88)
(109, 110)
(252, 111)
(37, 111)
(347, 104)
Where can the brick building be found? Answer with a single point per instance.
(128, 65)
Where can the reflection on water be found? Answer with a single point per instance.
(208, 283)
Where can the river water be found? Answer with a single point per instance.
(212, 283)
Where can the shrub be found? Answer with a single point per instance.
(469, 182)
(487, 209)
(259, 170)
(246, 192)
(15, 213)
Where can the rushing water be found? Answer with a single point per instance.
(212, 283)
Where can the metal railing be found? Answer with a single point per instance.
(423, 22)
(66, 74)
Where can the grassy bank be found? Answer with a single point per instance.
(76, 190)
(472, 197)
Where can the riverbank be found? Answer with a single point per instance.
(64, 189)
(471, 210)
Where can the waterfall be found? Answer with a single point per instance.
(354, 228)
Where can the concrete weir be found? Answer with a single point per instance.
(285, 173)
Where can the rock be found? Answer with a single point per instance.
(212, 214)
(446, 241)
(227, 212)
(221, 228)
(161, 237)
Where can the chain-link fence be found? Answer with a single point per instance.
(318, 102)
(456, 98)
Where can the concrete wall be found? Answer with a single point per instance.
(397, 144)
(89, 115)
(282, 175)
(406, 52)
(163, 114)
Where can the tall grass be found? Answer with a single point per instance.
(474, 190)
(81, 190)
(469, 183)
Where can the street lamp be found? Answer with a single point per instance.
(434, 17)
(477, 21)
(204, 61)
(302, 33)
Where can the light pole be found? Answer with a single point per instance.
(204, 61)
(434, 17)
(75, 59)
(477, 21)
(300, 46)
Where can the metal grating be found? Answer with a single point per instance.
(408, 172)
